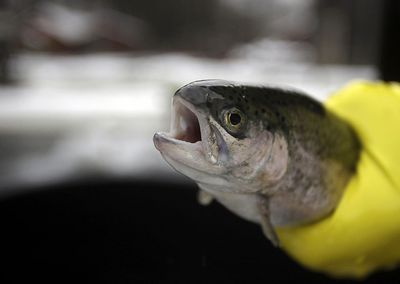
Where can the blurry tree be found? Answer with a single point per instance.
(389, 59)
(205, 26)
(348, 31)
(208, 27)
(6, 40)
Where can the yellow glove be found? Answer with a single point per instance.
(363, 233)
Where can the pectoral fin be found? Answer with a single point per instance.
(268, 229)
(204, 197)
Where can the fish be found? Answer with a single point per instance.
(273, 156)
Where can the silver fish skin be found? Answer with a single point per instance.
(273, 156)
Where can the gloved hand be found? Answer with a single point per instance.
(363, 233)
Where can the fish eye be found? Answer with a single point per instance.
(234, 120)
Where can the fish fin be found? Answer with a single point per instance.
(204, 198)
(266, 225)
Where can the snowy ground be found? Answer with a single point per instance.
(94, 115)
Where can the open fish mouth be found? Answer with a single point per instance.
(191, 139)
(185, 125)
(190, 146)
(188, 127)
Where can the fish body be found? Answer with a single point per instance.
(272, 156)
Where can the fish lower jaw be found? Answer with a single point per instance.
(162, 139)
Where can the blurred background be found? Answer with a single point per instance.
(85, 84)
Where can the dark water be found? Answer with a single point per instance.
(137, 232)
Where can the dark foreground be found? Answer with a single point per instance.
(137, 232)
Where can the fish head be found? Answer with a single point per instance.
(217, 139)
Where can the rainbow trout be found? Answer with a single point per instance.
(272, 156)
